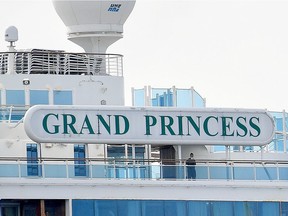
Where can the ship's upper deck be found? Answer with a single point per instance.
(37, 61)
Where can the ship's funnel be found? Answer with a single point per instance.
(96, 24)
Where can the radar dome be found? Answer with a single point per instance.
(11, 34)
(94, 25)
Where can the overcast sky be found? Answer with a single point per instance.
(233, 52)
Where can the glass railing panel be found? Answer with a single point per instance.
(145, 172)
(202, 172)
(278, 119)
(220, 172)
(14, 114)
(184, 98)
(111, 171)
(169, 171)
(138, 172)
(15, 117)
(121, 172)
(286, 121)
(139, 97)
(55, 171)
(117, 171)
(199, 102)
(31, 170)
(78, 171)
(9, 170)
(243, 173)
(133, 172)
(181, 172)
(155, 171)
(99, 171)
(283, 173)
(162, 97)
(266, 173)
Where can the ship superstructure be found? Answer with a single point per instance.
(68, 177)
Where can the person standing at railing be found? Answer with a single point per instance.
(191, 170)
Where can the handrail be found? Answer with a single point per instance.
(137, 160)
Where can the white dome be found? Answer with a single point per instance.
(94, 25)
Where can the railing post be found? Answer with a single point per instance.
(29, 62)
(255, 172)
(184, 170)
(284, 131)
(88, 65)
(208, 170)
(19, 169)
(161, 170)
(42, 168)
(232, 170)
(11, 60)
(277, 171)
(10, 114)
(90, 169)
(67, 169)
(108, 67)
(48, 62)
(114, 169)
(57, 63)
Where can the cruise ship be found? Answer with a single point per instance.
(70, 146)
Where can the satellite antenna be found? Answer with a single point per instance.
(11, 35)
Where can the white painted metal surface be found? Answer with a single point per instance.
(94, 25)
(139, 125)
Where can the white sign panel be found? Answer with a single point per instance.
(136, 125)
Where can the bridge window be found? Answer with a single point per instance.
(39, 97)
(62, 97)
(15, 97)
(176, 208)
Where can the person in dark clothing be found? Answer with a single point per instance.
(191, 163)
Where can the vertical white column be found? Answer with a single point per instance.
(148, 96)
(174, 96)
(133, 152)
(192, 94)
(284, 131)
(133, 96)
(27, 95)
(68, 207)
(50, 95)
(227, 150)
(126, 151)
(105, 153)
(204, 102)
(11, 60)
(179, 149)
(126, 163)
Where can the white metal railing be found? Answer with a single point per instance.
(61, 63)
